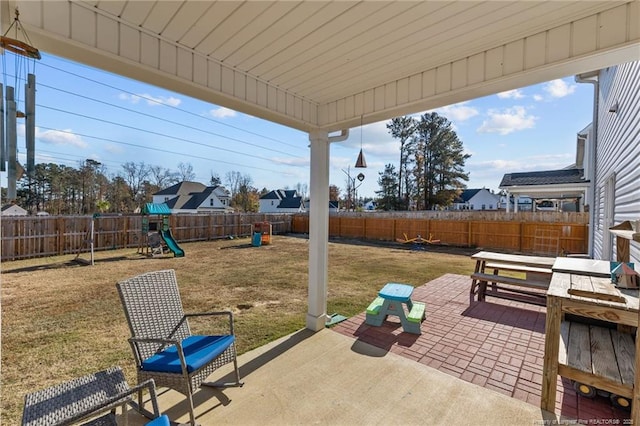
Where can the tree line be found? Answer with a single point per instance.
(430, 172)
(87, 189)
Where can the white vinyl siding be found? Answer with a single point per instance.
(618, 152)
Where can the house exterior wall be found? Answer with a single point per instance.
(269, 206)
(617, 175)
(14, 211)
(484, 198)
(159, 199)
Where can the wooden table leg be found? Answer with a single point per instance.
(551, 348)
(474, 282)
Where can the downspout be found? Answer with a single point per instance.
(592, 78)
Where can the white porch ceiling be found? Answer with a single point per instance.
(332, 65)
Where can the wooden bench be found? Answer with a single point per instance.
(512, 292)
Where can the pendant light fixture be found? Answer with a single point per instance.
(360, 162)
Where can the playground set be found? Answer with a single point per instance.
(157, 239)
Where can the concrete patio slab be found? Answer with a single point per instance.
(328, 378)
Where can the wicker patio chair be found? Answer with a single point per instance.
(163, 346)
(88, 400)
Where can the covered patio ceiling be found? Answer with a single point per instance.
(321, 67)
(335, 65)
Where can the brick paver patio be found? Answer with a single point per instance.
(496, 344)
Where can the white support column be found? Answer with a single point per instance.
(318, 230)
(508, 198)
(516, 201)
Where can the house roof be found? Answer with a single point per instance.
(466, 195)
(182, 188)
(15, 206)
(290, 203)
(271, 195)
(546, 177)
(279, 194)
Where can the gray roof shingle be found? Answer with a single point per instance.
(546, 177)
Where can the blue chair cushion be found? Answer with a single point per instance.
(163, 420)
(198, 351)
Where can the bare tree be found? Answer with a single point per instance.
(161, 176)
(215, 179)
(302, 189)
(185, 172)
(233, 180)
(135, 176)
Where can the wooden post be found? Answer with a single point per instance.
(521, 235)
(635, 402)
(551, 349)
(622, 249)
(61, 242)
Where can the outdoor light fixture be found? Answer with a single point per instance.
(360, 162)
(614, 107)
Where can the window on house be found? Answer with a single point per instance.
(211, 202)
(483, 207)
(166, 199)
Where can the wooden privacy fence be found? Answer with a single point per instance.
(542, 236)
(40, 236)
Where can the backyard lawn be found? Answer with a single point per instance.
(61, 320)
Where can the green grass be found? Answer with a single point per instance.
(61, 320)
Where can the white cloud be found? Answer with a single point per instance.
(222, 112)
(559, 88)
(511, 94)
(64, 137)
(113, 149)
(507, 121)
(134, 99)
(538, 98)
(151, 100)
(458, 112)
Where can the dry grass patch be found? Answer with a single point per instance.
(61, 320)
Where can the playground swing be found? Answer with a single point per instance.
(87, 242)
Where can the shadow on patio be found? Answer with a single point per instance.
(472, 364)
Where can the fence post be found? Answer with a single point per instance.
(61, 242)
(520, 237)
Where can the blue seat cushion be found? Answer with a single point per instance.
(163, 420)
(198, 351)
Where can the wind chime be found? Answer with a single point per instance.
(24, 57)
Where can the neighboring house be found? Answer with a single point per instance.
(194, 197)
(524, 202)
(371, 205)
(13, 210)
(555, 190)
(616, 138)
(476, 199)
(281, 201)
(334, 206)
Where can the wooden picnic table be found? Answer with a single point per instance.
(596, 356)
(489, 266)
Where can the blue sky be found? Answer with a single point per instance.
(87, 113)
